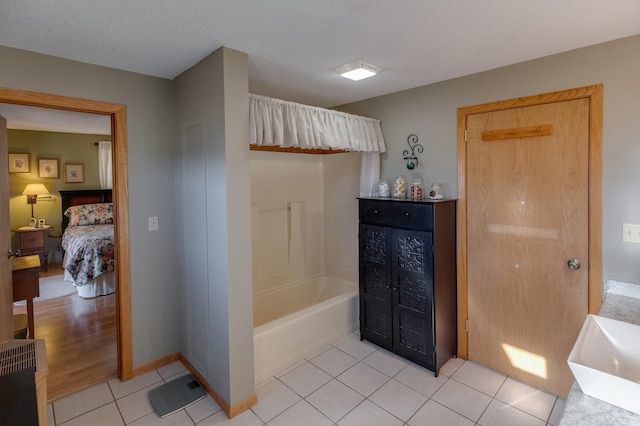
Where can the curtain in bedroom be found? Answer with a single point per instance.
(104, 164)
(289, 124)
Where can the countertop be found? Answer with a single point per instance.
(621, 302)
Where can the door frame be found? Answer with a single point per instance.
(595, 95)
(118, 115)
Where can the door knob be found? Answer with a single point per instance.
(11, 254)
(574, 264)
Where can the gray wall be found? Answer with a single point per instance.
(216, 89)
(430, 112)
(156, 319)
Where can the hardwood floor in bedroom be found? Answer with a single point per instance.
(80, 336)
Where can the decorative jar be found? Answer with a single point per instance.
(416, 189)
(383, 189)
(400, 187)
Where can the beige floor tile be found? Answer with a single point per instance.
(107, 415)
(398, 399)
(432, 413)
(81, 402)
(335, 400)
(501, 414)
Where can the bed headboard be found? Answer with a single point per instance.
(82, 196)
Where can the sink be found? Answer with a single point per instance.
(605, 361)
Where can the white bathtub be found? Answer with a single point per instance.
(293, 322)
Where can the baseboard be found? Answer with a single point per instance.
(154, 365)
(230, 411)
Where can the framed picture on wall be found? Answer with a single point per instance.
(73, 172)
(19, 163)
(48, 168)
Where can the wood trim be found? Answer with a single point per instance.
(595, 94)
(522, 132)
(154, 365)
(117, 112)
(121, 233)
(463, 303)
(293, 150)
(596, 122)
(242, 406)
(230, 411)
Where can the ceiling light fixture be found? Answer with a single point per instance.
(358, 70)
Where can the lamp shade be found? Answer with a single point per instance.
(35, 189)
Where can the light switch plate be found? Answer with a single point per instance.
(153, 223)
(630, 233)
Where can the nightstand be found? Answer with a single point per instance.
(34, 241)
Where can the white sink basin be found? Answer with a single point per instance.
(605, 361)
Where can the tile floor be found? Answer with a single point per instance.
(352, 383)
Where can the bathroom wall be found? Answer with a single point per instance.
(304, 216)
(430, 112)
(155, 315)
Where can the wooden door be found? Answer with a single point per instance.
(6, 288)
(527, 216)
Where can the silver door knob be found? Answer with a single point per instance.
(574, 264)
(11, 254)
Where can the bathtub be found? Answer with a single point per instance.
(295, 321)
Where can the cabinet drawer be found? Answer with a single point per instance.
(32, 240)
(398, 214)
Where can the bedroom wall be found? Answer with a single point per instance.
(67, 148)
(156, 318)
(430, 112)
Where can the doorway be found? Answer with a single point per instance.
(529, 204)
(117, 112)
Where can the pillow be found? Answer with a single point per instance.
(90, 214)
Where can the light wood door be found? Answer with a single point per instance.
(6, 289)
(527, 216)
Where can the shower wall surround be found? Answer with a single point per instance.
(304, 217)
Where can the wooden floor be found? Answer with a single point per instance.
(80, 336)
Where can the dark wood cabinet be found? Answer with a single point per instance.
(408, 296)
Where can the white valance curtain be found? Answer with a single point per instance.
(289, 124)
(104, 164)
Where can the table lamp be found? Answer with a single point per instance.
(32, 191)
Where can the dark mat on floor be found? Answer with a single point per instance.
(176, 395)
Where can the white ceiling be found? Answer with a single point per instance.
(294, 45)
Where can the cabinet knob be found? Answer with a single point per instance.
(406, 213)
(375, 211)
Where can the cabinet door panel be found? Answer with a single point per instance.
(375, 284)
(412, 255)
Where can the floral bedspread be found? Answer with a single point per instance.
(89, 251)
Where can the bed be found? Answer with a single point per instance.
(87, 241)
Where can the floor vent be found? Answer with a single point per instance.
(17, 355)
